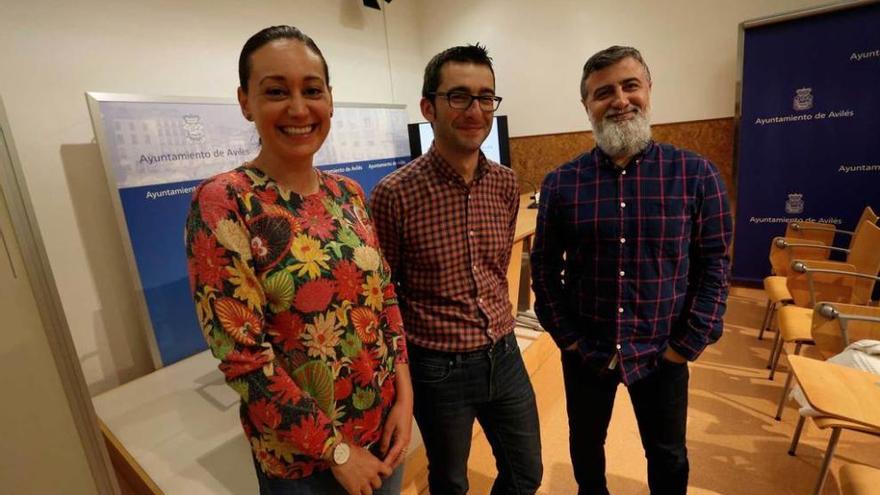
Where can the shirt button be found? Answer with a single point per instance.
(623, 240)
(622, 273)
(474, 267)
(618, 347)
(480, 300)
(622, 204)
(620, 310)
(623, 173)
(471, 233)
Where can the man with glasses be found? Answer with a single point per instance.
(446, 225)
(630, 272)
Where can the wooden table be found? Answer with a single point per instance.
(177, 430)
(517, 281)
(840, 393)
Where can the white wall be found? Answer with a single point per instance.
(539, 48)
(51, 52)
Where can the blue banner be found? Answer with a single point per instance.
(157, 152)
(808, 130)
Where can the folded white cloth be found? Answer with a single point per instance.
(862, 355)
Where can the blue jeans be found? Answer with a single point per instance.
(322, 483)
(451, 390)
(660, 404)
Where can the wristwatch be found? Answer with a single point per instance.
(341, 453)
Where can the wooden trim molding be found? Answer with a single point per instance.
(130, 474)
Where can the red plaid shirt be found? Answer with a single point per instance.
(448, 244)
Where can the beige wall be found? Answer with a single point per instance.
(540, 46)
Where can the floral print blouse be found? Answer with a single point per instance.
(295, 300)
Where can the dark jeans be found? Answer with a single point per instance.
(492, 386)
(322, 483)
(660, 404)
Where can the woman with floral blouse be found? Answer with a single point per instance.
(293, 294)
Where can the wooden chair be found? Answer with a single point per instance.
(825, 233)
(803, 240)
(834, 327)
(783, 252)
(810, 281)
(830, 333)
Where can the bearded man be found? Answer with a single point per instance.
(630, 272)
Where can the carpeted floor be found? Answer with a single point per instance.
(735, 445)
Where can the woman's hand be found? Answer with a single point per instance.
(363, 472)
(397, 430)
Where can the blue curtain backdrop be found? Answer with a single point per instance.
(809, 133)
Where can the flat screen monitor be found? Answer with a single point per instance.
(496, 147)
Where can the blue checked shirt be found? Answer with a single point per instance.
(629, 261)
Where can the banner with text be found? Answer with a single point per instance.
(808, 128)
(156, 151)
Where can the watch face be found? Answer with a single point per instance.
(341, 453)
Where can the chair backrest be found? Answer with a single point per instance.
(867, 215)
(864, 255)
(822, 232)
(829, 287)
(781, 257)
(828, 331)
(825, 232)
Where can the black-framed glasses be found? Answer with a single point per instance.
(460, 100)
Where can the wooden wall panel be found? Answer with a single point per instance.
(533, 156)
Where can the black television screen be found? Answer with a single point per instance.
(496, 146)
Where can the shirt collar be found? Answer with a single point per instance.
(446, 172)
(605, 161)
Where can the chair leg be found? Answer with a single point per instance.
(797, 435)
(797, 351)
(785, 390)
(773, 349)
(777, 351)
(826, 462)
(766, 322)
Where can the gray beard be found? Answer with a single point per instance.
(619, 139)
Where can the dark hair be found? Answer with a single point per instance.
(270, 34)
(474, 54)
(608, 57)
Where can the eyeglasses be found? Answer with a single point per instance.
(462, 101)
